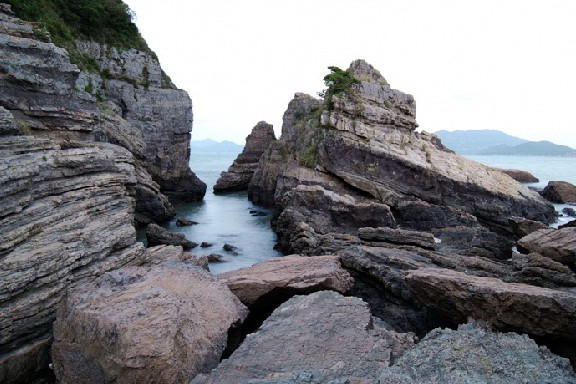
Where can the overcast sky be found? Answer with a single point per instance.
(471, 64)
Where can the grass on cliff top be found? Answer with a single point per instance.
(103, 21)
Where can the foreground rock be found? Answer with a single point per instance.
(474, 355)
(557, 244)
(160, 324)
(240, 172)
(505, 306)
(287, 276)
(156, 235)
(560, 192)
(323, 336)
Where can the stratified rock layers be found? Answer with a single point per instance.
(239, 174)
(65, 215)
(351, 176)
(75, 172)
(49, 96)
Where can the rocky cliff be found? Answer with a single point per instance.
(352, 176)
(239, 174)
(123, 103)
(79, 161)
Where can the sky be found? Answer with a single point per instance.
(508, 65)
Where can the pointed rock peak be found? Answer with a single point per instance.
(366, 72)
(263, 126)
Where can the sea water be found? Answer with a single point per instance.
(225, 219)
(545, 168)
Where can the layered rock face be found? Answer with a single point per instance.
(351, 176)
(74, 176)
(66, 214)
(49, 97)
(239, 174)
(134, 82)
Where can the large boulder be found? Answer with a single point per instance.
(239, 174)
(324, 336)
(560, 192)
(557, 244)
(472, 354)
(160, 324)
(288, 275)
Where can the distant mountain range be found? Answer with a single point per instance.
(209, 145)
(492, 142)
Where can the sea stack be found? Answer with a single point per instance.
(239, 174)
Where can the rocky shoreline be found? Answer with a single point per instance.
(401, 268)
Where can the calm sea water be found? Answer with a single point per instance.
(225, 219)
(545, 168)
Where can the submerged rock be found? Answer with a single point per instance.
(323, 336)
(240, 172)
(475, 355)
(156, 235)
(159, 324)
(560, 192)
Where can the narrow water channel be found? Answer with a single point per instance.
(225, 219)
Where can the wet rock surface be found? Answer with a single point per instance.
(239, 174)
(156, 235)
(305, 337)
(159, 324)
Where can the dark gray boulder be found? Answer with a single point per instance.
(156, 235)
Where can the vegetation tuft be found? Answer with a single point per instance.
(337, 81)
(103, 21)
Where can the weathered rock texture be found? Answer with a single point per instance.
(351, 176)
(507, 306)
(161, 324)
(560, 192)
(66, 214)
(474, 355)
(290, 275)
(240, 172)
(50, 97)
(74, 173)
(557, 244)
(323, 335)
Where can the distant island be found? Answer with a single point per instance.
(493, 142)
(209, 145)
